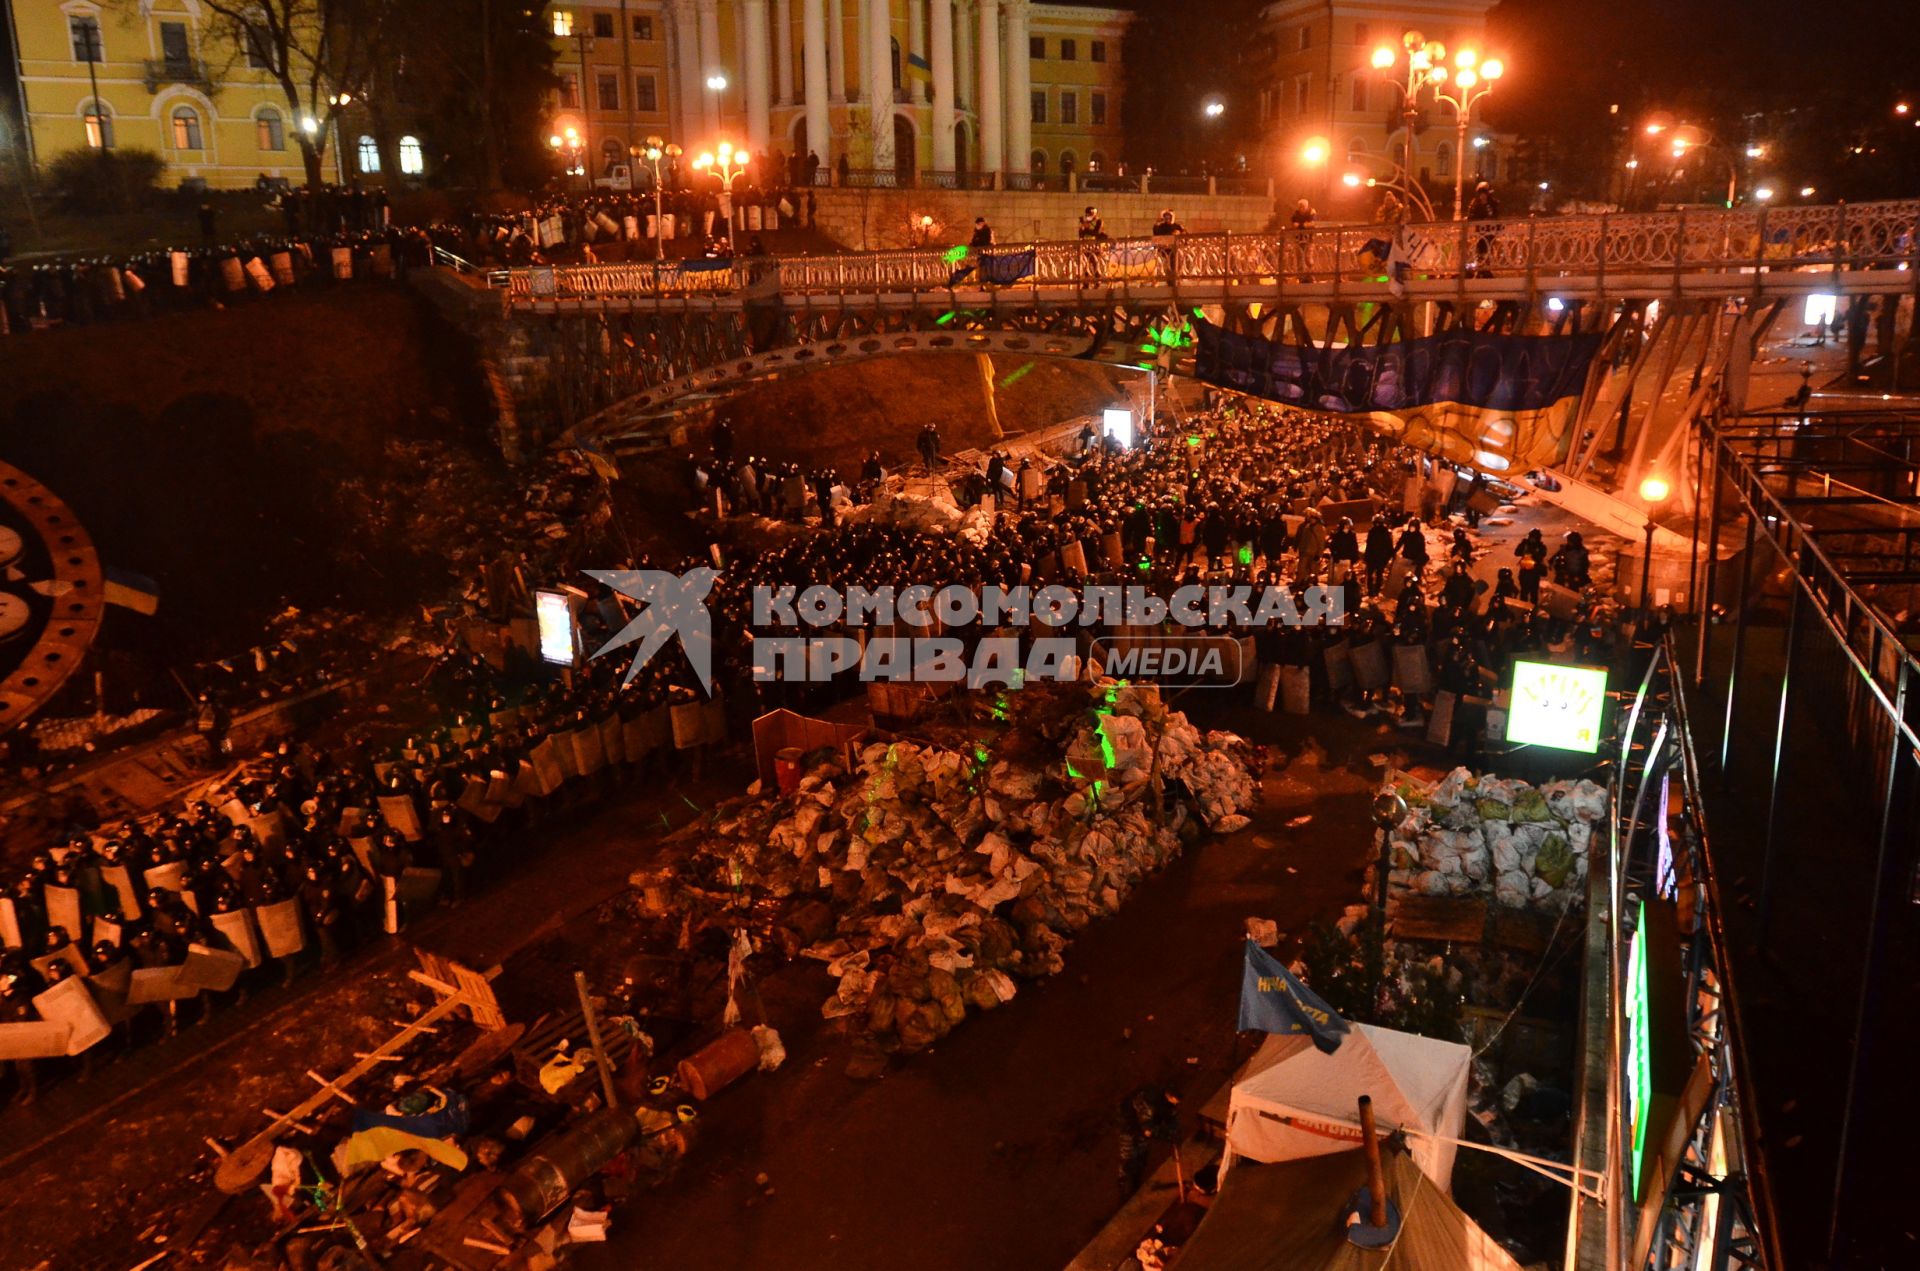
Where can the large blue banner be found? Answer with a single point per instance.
(1467, 368)
(1273, 1001)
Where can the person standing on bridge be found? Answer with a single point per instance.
(929, 446)
(982, 233)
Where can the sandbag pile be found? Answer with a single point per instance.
(1526, 846)
(950, 872)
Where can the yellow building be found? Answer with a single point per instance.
(159, 75)
(967, 90)
(1322, 85)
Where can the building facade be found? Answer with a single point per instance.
(161, 75)
(929, 91)
(1322, 85)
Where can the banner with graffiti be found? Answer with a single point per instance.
(1504, 403)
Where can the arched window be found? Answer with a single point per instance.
(1067, 162)
(368, 151)
(272, 129)
(1443, 159)
(99, 124)
(413, 160)
(1357, 150)
(1097, 161)
(1037, 162)
(186, 128)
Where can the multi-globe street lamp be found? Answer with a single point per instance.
(570, 149)
(656, 149)
(1425, 68)
(1472, 79)
(728, 165)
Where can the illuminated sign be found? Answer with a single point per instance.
(1557, 706)
(1118, 424)
(1639, 1058)
(554, 609)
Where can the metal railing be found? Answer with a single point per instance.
(190, 71)
(1878, 236)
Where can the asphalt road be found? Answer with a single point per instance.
(999, 1147)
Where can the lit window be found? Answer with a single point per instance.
(1037, 162)
(273, 133)
(84, 31)
(413, 161)
(562, 23)
(570, 90)
(186, 128)
(369, 154)
(1097, 161)
(99, 130)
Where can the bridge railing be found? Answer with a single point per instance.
(1846, 236)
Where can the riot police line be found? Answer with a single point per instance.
(104, 288)
(306, 854)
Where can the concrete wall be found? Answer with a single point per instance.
(874, 220)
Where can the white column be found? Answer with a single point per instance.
(813, 48)
(1019, 72)
(710, 63)
(862, 53)
(880, 81)
(753, 16)
(783, 52)
(963, 62)
(692, 79)
(941, 55)
(837, 50)
(916, 44)
(990, 93)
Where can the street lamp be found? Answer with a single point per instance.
(729, 166)
(653, 152)
(1315, 151)
(1653, 492)
(1763, 194)
(568, 149)
(1426, 66)
(1472, 80)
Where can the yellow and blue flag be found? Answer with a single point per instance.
(1272, 1000)
(1500, 403)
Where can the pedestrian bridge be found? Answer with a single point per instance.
(620, 349)
(1762, 253)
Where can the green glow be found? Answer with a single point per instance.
(946, 317)
(1072, 771)
(1200, 314)
(1246, 555)
(955, 254)
(1146, 563)
(1017, 375)
(1193, 440)
(1638, 1059)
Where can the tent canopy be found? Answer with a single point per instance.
(1292, 1101)
(1292, 1217)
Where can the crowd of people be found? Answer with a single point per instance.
(355, 836)
(101, 288)
(1239, 494)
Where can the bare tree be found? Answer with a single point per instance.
(322, 53)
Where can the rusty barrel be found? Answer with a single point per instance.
(548, 1177)
(719, 1063)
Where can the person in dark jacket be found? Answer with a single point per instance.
(1379, 554)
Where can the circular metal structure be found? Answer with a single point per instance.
(52, 593)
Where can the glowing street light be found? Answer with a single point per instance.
(717, 82)
(1653, 492)
(1315, 151)
(1806, 191)
(1763, 194)
(1213, 108)
(1902, 108)
(1469, 85)
(1350, 179)
(656, 149)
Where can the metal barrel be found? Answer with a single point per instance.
(547, 1178)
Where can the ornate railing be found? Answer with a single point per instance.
(1859, 236)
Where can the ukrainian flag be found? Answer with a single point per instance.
(1500, 403)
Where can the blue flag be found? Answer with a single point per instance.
(1273, 1001)
(1005, 267)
